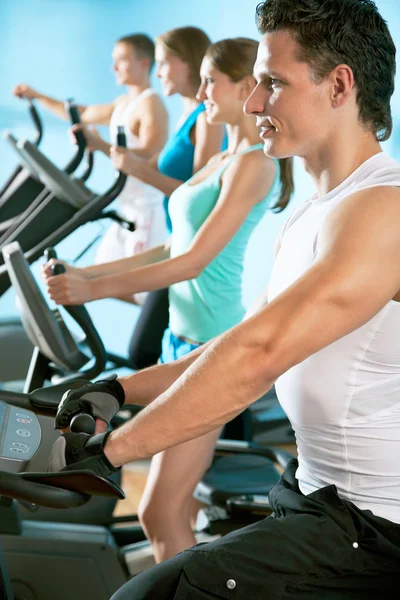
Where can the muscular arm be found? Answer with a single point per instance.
(145, 386)
(56, 106)
(354, 276)
(96, 113)
(153, 127)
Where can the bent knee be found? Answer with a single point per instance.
(154, 513)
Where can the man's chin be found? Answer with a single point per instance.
(275, 150)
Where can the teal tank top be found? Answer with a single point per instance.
(208, 305)
(176, 159)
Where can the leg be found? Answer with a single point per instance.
(167, 506)
(145, 344)
(306, 552)
(158, 583)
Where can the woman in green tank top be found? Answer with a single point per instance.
(213, 215)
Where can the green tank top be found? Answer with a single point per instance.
(208, 305)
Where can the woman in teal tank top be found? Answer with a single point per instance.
(213, 215)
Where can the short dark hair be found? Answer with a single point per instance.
(143, 45)
(332, 32)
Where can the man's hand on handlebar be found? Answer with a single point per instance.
(80, 452)
(102, 399)
(94, 141)
(125, 160)
(22, 90)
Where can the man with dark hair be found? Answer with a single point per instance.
(329, 336)
(143, 45)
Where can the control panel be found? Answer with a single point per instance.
(20, 436)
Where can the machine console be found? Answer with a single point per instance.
(20, 436)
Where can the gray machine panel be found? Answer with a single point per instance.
(25, 159)
(53, 178)
(20, 436)
(46, 329)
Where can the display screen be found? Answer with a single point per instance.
(2, 412)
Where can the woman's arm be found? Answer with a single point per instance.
(118, 266)
(130, 263)
(245, 183)
(130, 163)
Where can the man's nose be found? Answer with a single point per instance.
(255, 103)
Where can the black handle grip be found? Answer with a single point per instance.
(75, 117)
(83, 423)
(49, 253)
(36, 121)
(89, 166)
(121, 137)
(82, 317)
(57, 269)
(73, 111)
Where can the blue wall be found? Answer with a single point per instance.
(63, 48)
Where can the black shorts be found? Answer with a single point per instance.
(315, 547)
(145, 344)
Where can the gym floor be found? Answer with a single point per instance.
(134, 478)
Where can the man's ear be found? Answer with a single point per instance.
(342, 79)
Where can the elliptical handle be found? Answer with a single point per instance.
(118, 186)
(83, 423)
(121, 136)
(73, 111)
(84, 320)
(36, 121)
(89, 166)
(57, 269)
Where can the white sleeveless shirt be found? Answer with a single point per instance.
(136, 193)
(344, 401)
(138, 202)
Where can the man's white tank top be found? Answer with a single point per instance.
(138, 201)
(344, 401)
(136, 193)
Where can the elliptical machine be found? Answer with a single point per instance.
(23, 190)
(21, 186)
(50, 560)
(47, 221)
(25, 186)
